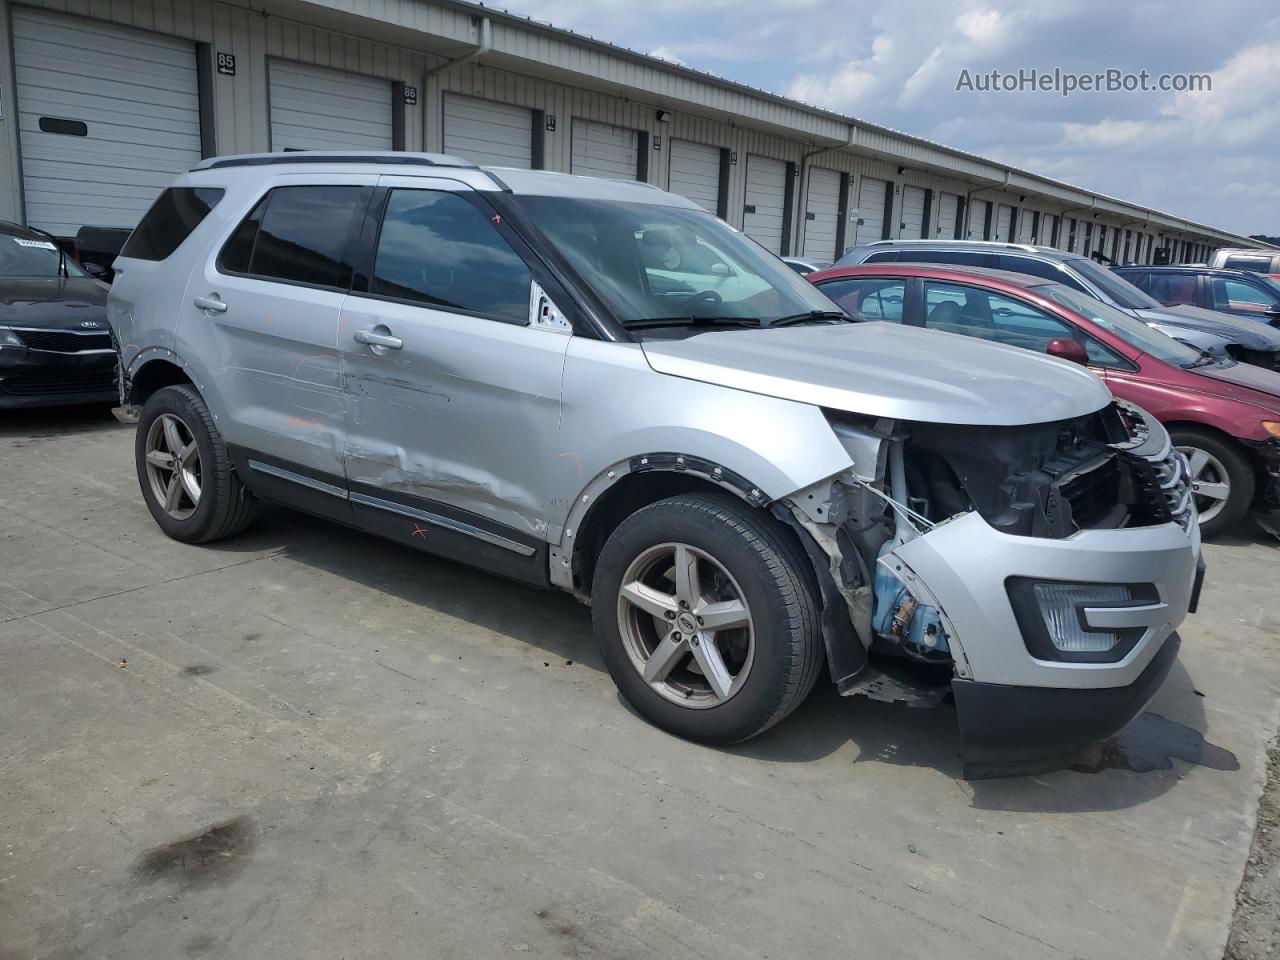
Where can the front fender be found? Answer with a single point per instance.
(616, 408)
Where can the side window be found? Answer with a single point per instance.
(1029, 265)
(296, 234)
(884, 256)
(978, 313)
(1171, 288)
(870, 298)
(964, 258)
(1256, 264)
(437, 248)
(170, 220)
(1239, 295)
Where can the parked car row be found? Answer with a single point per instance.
(599, 387)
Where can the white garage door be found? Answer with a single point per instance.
(766, 202)
(601, 150)
(486, 132)
(871, 196)
(315, 108)
(1026, 225)
(107, 117)
(977, 218)
(1004, 220)
(822, 214)
(1047, 222)
(695, 173)
(912, 222)
(948, 206)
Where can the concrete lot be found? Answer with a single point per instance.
(310, 743)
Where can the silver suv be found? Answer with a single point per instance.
(598, 387)
(1209, 330)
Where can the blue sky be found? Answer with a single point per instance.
(1209, 156)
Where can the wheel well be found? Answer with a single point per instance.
(152, 376)
(631, 493)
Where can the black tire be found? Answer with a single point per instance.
(1240, 475)
(776, 584)
(225, 507)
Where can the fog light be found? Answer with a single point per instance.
(1083, 622)
(1061, 605)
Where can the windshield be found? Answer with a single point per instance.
(32, 257)
(650, 262)
(1114, 287)
(1129, 329)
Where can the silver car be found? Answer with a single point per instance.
(1208, 330)
(598, 387)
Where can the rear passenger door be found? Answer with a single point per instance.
(264, 308)
(453, 395)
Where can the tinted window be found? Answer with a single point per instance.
(238, 251)
(170, 220)
(1036, 268)
(436, 248)
(1171, 288)
(868, 298)
(1239, 295)
(883, 256)
(965, 258)
(303, 235)
(1256, 264)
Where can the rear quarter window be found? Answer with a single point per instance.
(176, 212)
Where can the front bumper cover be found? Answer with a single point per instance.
(38, 378)
(1015, 731)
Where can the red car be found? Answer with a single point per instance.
(1224, 416)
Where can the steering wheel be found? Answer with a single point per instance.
(709, 297)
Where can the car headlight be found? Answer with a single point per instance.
(1082, 622)
(10, 339)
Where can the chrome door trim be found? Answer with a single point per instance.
(447, 523)
(310, 482)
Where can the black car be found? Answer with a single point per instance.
(1244, 293)
(55, 345)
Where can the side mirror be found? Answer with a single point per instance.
(1065, 348)
(96, 270)
(721, 270)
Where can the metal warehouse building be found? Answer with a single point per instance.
(103, 102)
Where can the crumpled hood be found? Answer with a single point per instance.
(57, 303)
(1250, 334)
(885, 370)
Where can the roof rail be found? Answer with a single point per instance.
(390, 158)
(942, 242)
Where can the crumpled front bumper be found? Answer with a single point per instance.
(1020, 714)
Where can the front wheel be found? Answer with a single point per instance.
(1222, 479)
(707, 618)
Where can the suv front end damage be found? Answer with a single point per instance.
(1042, 569)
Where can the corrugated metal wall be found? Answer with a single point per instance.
(240, 103)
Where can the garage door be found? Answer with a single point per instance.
(1004, 220)
(1047, 223)
(107, 117)
(695, 173)
(822, 214)
(315, 108)
(486, 132)
(912, 222)
(766, 202)
(978, 219)
(948, 206)
(1026, 225)
(871, 197)
(601, 150)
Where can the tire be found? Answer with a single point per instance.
(1225, 462)
(223, 506)
(737, 553)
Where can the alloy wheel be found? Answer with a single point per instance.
(173, 466)
(685, 625)
(1210, 482)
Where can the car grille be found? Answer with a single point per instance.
(56, 385)
(1095, 496)
(64, 341)
(1172, 475)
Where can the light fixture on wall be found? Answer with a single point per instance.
(664, 116)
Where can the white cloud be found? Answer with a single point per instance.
(666, 53)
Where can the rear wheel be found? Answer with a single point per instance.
(1222, 479)
(185, 471)
(706, 617)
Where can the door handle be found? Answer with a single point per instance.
(212, 304)
(374, 339)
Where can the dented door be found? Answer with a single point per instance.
(453, 400)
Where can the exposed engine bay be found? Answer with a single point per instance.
(1048, 480)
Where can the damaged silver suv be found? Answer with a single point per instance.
(599, 387)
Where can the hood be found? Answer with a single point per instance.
(1241, 381)
(885, 370)
(53, 302)
(1250, 334)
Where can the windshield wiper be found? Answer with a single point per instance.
(645, 323)
(813, 316)
(1204, 359)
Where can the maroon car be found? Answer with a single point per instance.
(1224, 416)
